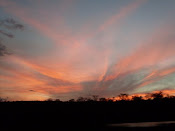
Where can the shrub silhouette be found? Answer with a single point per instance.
(103, 99)
(81, 99)
(71, 100)
(49, 99)
(137, 98)
(158, 95)
(95, 97)
(3, 99)
(123, 97)
(58, 100)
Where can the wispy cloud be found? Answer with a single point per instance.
(150, 54)
(81, 62)
(122, 14)
(116, 19)
(58, 37)
(8, 24)
(3, 50)
(21, 81)
(11, 24)
(6, 34)
(142, 70)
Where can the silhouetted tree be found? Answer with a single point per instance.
(57, 100)
(71, 100)
(102, 99)
(89, 99)
(148, 96)
(123, 97)
(171, 97)
(3, 99)
(95, 97)
(158, 95)
(110, 100)
(137, 98)
(81, 99)
(49, 99)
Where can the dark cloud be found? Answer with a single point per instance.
(8, 24)
(11, 24)
(6, 34)
(3, 50)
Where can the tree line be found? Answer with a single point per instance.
(121, 97)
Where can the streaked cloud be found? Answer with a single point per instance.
(102, 56)
(3, 50)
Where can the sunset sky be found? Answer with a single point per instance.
(70, 48)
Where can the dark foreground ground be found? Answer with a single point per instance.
(89, 116)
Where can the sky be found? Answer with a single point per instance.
(69, 48)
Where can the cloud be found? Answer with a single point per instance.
(6, 34)
(11, 24)
(126, 11)
(142, 70)
(44, 27)
(3, 50)
(30, 78)
(155, 50)
(116, 19)
(79, 65)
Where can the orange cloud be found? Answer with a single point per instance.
(104, 70)
(76, 51)
(72, 50)
(167, 72)
(21, 81)
(156, 50)
(170, 92)
(146, 83)
(153, 73)
(156, 75)
(115, 19)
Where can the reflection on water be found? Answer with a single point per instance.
(142, 124)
